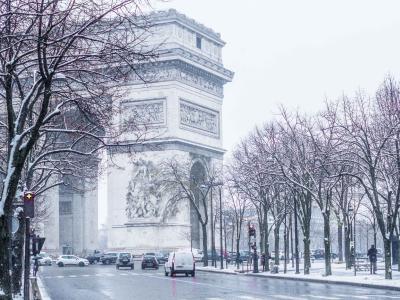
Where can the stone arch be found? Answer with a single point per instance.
(197, 177)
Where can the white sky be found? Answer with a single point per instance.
(296, 52)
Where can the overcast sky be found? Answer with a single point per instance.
(296, 52)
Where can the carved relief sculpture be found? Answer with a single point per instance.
(143, 197)
(199, 118)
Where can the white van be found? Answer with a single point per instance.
(180, 262)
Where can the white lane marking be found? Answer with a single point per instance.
(123, 274)
(249, 298)
(72, 276)
(386, 296)
(354, 296)
(214, 298)
(322, 297)
(85, 275)
(59, 276)
(287, 297)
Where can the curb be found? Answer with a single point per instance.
(312, 280)
(42, 289)
(216, 272)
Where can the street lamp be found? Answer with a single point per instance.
(353, 237)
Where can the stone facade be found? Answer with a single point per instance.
(181, 101)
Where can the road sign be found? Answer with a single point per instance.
(14, 225)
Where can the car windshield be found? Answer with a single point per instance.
(149, 256)
(124, 255)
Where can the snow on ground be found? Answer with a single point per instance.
(340, 274)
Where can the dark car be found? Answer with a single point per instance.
(94, 257)
(161, 258)
(125, 260)
(149, 261)
(109, 258)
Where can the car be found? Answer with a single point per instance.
(43, 259)
(94, 257)
(125, 260)
(65, 260)
(161, 258)
(180, 263)
(109, 258)
(149, 261)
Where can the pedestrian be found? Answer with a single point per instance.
(263, 261)
(372, 253)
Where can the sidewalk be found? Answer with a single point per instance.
(340, 275)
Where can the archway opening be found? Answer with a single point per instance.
(197, 177)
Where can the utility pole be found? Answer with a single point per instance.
(212, 229)
(29, 212)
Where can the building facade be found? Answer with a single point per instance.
(181, 103)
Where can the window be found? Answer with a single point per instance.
(65, 207)
(198, 42)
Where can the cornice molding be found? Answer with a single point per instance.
(172, 15)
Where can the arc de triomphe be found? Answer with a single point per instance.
(184, 106)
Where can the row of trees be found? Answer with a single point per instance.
(344, 160)
(62, 64)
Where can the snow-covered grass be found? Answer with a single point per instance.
(340, 274)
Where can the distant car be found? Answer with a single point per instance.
(94, 257)
(109, 258)
(43, 259)
(180, 263)
(149, 261)
(161, 258)
(65, 260)
(125, 260)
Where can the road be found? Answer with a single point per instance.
(98, 282)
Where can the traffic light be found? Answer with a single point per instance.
(252, 230)
(29, 204)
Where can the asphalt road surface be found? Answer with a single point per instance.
(98, 282)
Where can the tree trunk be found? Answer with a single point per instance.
(205, 254)
(276, 236)
(388, 258)
(340, 241)
(347, 253)
(307, 260)
(5, 242)
(18, 247)
(237, 252)
(327, 245)
(266, 236)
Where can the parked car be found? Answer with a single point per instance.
(109, 258)
(161, 258)
(43, 259)
(65, 260)
(149, 261)
(94, 257)
(180, 263)
(125, 260)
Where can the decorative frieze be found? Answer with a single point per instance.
(143, 112)
(180, 71)
(199, 118)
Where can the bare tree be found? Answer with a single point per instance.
(371, 129)
(184, 182)
(58, 58)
